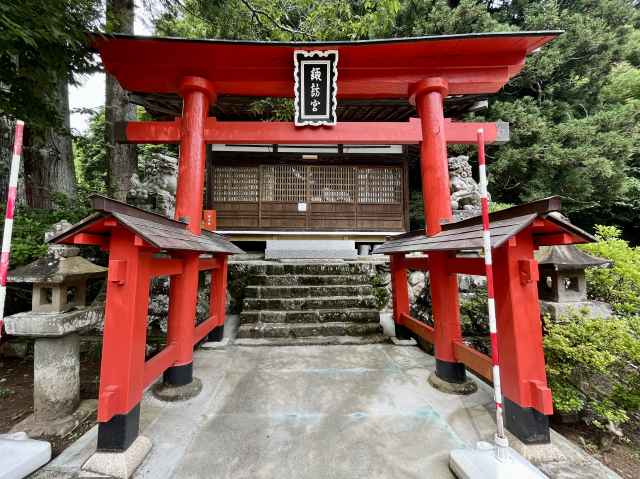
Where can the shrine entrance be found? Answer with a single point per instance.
(424, 72)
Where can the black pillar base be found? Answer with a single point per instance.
(178, 375)
(216, 334)
(117, 434)
(527, 424)
(402, 332)
(451, 372)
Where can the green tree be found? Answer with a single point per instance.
(43, 45)
(90, 155)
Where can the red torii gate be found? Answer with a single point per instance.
(421, 70)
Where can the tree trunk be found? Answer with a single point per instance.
(122, 159)
(48, 158)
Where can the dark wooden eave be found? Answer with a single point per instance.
(158, 231)
(240, 108)
(505, 224)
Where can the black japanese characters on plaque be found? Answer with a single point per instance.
(316, 77)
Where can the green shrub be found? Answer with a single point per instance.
(618, 285)
(592, 366)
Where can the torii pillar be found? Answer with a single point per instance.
(428, 96)
(198, 94)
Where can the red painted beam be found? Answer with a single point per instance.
(466, 133)
(158, 364)
(205, 328)
(474, 266)
(417, 263)
(207, 264)
(90, 239)
(252, 132)
(164, 267)
(423, 330)
(474, 360)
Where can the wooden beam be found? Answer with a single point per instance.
(474, 266)
(416, 263)
(474, 360)
(466, 133)
(423, 330)
(207, 264)
(165, 267)
(90, 239)
(259, 132)
(554, 239)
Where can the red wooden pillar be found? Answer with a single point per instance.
(124, 344)
(197, 94)
(400, 294)
(428, 96)
(527, 399)
(183, 299)
(218, 298)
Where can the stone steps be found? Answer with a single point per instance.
(267, 292)
(300, 330)
(293, 303)
(310, 280)
(313, 303)
(316, 269)
(317, 316)
(313, 341)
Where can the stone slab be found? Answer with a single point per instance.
(20, 455)
(37, 324)
(310, 249)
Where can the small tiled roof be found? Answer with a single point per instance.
(157, 230)
(567, 257)
(467, 234)
(55, 270)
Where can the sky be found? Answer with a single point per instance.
(90, 92)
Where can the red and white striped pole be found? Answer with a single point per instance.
(8, 218)
(502, 444)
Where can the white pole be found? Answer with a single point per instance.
(502, 444)
(8, 218)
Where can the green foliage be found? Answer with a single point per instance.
(618, 285)
(40, 43)
(90, 155)
(5, 392)
(497, 206)
(592, 367)
(474, 315)
(31, 224)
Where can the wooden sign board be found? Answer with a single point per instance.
(316, 87)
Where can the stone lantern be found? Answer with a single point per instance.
(563, 284)
(59, 313)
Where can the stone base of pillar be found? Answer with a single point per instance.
(527, 424)
(171, 393)
(178, 375)
(402, 332)
(467, 387)
(120, 465)
(58, 427)
(216, 334)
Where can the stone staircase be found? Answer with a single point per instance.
(309, 303)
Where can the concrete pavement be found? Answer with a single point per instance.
(315, 412)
